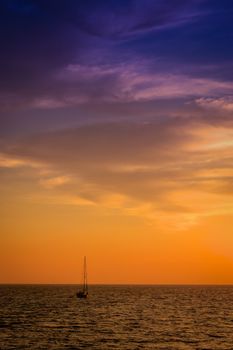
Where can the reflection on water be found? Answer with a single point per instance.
(116, 317)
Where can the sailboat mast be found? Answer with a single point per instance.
(85, 275)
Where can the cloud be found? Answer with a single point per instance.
(54, 182)
(7, 161)
(222, 103)
(123, 83)
(61, 199)
(153, 170)
(61, 54)
(10, 162)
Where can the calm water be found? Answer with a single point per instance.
(116, 317)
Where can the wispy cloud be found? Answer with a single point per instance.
(126, 83)
(54, 182)
(159, 171)
(86, 60)
(222, 103)
(8, 161)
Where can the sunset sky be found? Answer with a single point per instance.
(116, 141)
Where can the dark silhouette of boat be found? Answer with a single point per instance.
(83, 294)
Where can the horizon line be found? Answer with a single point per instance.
(115, 284)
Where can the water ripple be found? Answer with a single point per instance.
(116, 317)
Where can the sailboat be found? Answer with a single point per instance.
(84, 292)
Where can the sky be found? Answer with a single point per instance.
(116, 141)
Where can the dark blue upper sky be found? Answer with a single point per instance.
(73, 55)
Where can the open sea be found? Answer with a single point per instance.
(116, 317)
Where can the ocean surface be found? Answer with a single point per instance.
(116, 317)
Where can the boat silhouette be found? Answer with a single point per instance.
(83, 294)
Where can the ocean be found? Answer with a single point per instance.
(116, 317)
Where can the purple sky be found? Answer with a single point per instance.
(68, 63)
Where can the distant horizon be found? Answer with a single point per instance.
(117, 284)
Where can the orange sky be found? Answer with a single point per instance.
(167, 221)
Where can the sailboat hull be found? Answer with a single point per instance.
(82, 295)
